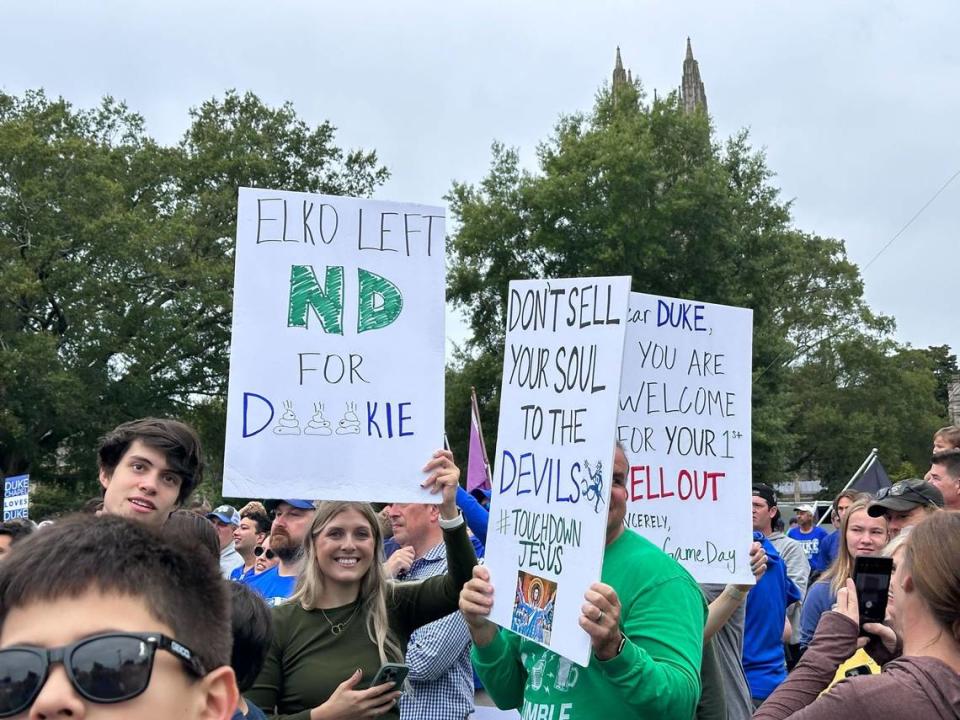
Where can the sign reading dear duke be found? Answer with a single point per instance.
(685, 425)
(552, 468)
(337, 350)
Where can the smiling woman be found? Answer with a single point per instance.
(335, 630)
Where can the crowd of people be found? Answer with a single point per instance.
(302, 609)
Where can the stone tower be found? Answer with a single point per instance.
(953, 401)
(692, 95)
(619, 74)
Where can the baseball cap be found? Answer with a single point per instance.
(225, 513)
(904, 496)
(806, 508)
(271, 505)
(766, 492)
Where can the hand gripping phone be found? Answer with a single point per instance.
(871, 575)
(391, 672)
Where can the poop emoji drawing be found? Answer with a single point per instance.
(288, 424)
(349, 424)
(318, 424)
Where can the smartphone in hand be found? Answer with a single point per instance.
(391, 672)
(871, 575)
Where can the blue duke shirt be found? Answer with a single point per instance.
(272, 586)
(438, 655)
(811, 543)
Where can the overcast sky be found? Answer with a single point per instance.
(856, 103)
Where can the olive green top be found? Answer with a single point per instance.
(307, 661)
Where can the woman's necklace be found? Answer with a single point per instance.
(337, 628)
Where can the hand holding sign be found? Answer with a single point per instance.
(445, 479)
(600, 617)
(476, 601)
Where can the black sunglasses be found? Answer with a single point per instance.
(268, 553)
(902, 489)
(108, 668)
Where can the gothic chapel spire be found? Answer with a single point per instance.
(692, 94)
(619, 74)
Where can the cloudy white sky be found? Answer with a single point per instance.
(856, 103)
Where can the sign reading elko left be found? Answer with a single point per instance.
(336, 366)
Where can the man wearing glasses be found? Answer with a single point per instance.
(133, 626)
(905, 504)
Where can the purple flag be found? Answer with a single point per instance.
(478, 469)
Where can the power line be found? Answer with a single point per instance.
(919, 212)
(880, 252)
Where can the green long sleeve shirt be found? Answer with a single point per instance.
(657, 675)
(306, 661)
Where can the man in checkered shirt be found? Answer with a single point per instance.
(438, 653)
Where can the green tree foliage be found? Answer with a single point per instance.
(945, 370)
(641, 188)
(116, 268)
(858, 394)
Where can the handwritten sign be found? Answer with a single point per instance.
(336, 368)
(16, 497)
(685, 426)
(552, 469)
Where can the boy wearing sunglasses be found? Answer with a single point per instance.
(148, 468)
(103, 618)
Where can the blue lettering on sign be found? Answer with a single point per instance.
(246, 407)
(680, 315)
(16, 497)
(391, 417)
(544, 477)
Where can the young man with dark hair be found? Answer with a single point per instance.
(252, 633)
(762, 641)
(12, 532)
(148, 468)
(944, 474)
(98, 611)
(250, 533)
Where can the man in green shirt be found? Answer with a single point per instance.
(645, 620)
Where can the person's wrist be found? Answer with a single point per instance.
(482, 631)
(450, 517)
(612, 647)
(736, 592)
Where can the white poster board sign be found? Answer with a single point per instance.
(336, 361)
(16, 497)
(554, 459)
(685, 426)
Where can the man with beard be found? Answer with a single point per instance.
(291, 521)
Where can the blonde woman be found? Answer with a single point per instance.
(860, 536)
(345, 619)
